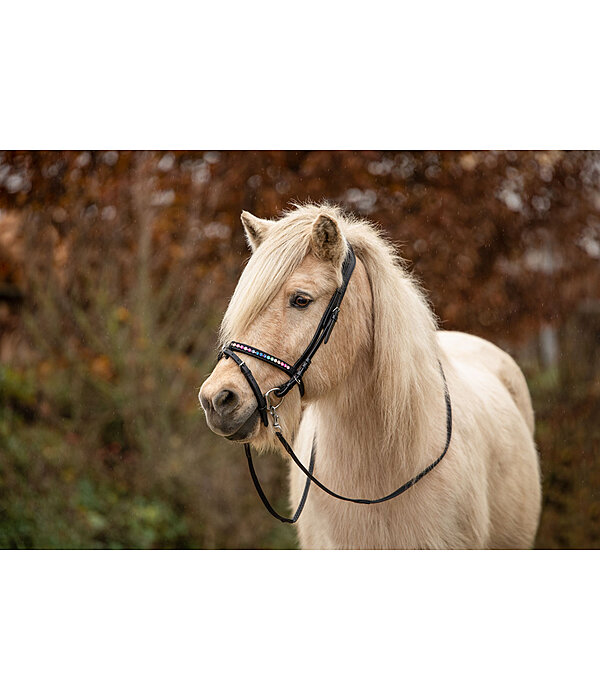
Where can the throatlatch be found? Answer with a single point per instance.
(295, 373)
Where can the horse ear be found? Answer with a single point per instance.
(327, 241)
(254, 228)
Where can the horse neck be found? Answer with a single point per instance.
(357, 455)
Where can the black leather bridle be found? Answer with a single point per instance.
(296, 372)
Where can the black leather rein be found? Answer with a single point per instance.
(295, 373)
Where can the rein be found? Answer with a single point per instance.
(296, 372)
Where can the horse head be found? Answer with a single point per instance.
(282, 294)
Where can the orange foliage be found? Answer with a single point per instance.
(493, 235)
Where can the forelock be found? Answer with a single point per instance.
(282, 251)
(273, 262)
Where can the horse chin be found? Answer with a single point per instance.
(248, 430)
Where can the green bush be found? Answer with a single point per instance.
(102, 441)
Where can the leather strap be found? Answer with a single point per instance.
(261, 355)
(396, 492)
(326, 324)
(260, 399)
(262, 495)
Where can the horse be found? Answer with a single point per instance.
(372, 413)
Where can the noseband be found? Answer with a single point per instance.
(296, 372)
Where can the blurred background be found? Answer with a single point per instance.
(115, 269)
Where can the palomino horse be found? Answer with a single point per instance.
(372, 404)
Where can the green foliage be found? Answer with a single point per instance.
(53, 496)
(102, 442)
(568, 440)
(97, 477)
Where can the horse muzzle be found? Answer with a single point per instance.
(227, 414)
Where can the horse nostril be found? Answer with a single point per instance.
(204, 402)
(225, 401)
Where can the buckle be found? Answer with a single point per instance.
(271, 408)
(331, 324)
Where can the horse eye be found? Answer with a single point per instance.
(300, 301)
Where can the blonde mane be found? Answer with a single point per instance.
(405, 351)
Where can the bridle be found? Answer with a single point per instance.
(295, 372)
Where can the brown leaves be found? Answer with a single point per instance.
(472, 223)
